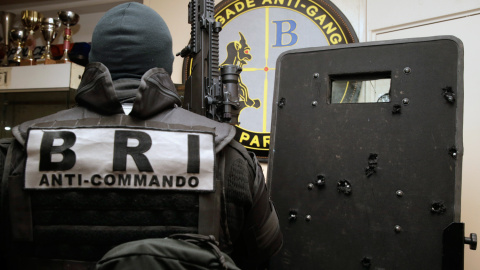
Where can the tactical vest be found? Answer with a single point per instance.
(76, 226)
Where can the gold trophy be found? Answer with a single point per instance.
(18, 36)
(68, 18)
(31, 20)
(7, 22)
(49, 27)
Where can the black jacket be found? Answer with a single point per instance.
(81, 225)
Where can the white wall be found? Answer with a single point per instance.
(355, 11)
(384, 15)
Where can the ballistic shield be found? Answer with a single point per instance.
(374, 183)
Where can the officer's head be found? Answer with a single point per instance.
(130, 39)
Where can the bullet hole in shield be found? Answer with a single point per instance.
(372, 164)
(344, 187)
(452, 151)
(320, 181)
(448, 94)
(366, 262)
(438, 207)
(292, 215)
(397, 109)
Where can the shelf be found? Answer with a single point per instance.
(51, 7)
(40, 78)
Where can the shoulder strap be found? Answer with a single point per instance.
(6, 146)
(251, 159)
(19, 207)
(210, 203)
(262, 229)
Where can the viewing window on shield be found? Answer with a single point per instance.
(369, 88)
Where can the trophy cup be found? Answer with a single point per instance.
(18, 36)
(49, 29)
(68, 18)
(31, 20)
(7, 22)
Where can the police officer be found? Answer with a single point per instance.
(70, 216)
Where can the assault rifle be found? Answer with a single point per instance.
(209, 91)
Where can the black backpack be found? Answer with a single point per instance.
(180, 251)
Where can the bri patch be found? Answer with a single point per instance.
(120, 158)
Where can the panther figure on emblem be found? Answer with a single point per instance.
(238, 53)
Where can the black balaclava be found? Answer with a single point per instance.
(130, 39)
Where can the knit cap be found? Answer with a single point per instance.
(130, 39)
